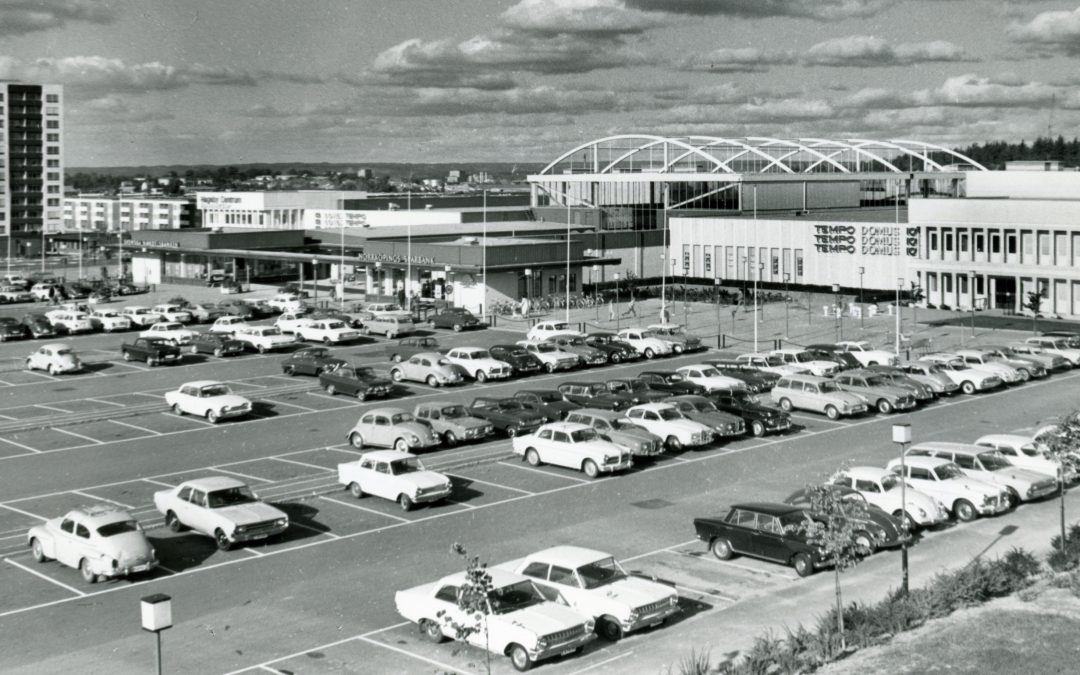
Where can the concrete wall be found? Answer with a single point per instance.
(1024, 184)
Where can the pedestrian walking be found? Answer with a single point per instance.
(611, 310)
(665, 315)
(631, 309)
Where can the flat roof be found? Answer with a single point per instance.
(864, 214)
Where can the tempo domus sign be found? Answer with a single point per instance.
(874, 240)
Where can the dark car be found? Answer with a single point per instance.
(216, 344)
(876, 530)
(609, 343)
(124, 288)
(899, 378)
(757, 381)
(260, 308)
(759, 419)
(548, 402)
(311, 361)
(638, 390)
(670, 381)
(763, 530)
(456, 318)
(702, 409)
(520, 360)
(361, 382)
(507, 415)
(38, 325)
(595, 395)
(76, 290)
(237, 308)
(828, 352)
(410, 346)
(11, 329)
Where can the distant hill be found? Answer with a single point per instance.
(379, 168)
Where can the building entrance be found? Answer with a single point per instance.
(1004, 293)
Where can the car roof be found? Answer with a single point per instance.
(577, 383)
(387, 455)
(806, 377)
(566, 426)
(653, 406)
(201, 383)
(922, 461)
(499, 578)
(686, 397)
(384, 411)
(1005, 438)
(208, 483)
(654, 326)
(429, 355)
(948, 447)
(572, 556)
(596, 412)
(57, 345)
(770, 508)
(437, 404)
(696, 365)
(100, 513)
(871, 472)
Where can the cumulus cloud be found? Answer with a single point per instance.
(736, 60)
(1055, 32)
(597, 17)
(114, 110)
(18, 17)
(974, 91)
(822, 10)
(865, 51)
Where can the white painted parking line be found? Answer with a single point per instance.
(337, 643)
(157, 482)
(253, 552)
(25, 513)
(78, 435)
(101, 400)
(128, 365)
(666, 549)
(189, 418)
(459, 503)
(745, 568)
(291, 405)
(6, 383)
(293, 461)
(8, 417)
(718, 596)
(361, 508)
(484, 482)
(136, 427)
(546, 473)
(399, 650)
(47, 377)
(344, 401)
(20, 445)
(603, 663)
(811, 418)
(242, 475)
(312, 529)
(104, 499)
(24, 568)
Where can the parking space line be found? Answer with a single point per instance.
(47, 377)
(603, 663)
(291, 405)
(718, 596)
(293, 461)
(546, 473)
(816, 419)
(666, 549)
(104, 499)
(248, 549)
(190, 419)
(20, 445)
(323, 647)
(6, 383)
(101, 400)
(454, 501)
(24, 568)
(50, 407)
(8, 417)
(399, 650)
(136, 427)
(157, 482)
(484, 482)
(312, 529)
(242, 475)
(361, 508)
(129, 365)
(745, 568)
(77, 435)
(25, 513)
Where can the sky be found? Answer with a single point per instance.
(236, 81)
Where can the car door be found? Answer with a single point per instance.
(446, 605)
(82, 546)
(769, 538)
(382, 481)
(65, 543)
(740, 531)
(871, 491)
(197, 512)
(380, 431)
(565, 453)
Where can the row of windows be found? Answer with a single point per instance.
(1027, 244)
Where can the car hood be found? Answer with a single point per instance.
(543, 619)
(713, 418)
(465, 422)
(247, 514)
(871, 390)
(230, 401)
(844, 397)
(633, 592)
(690, 425)
(600, 446)
(1016, 473)
(427, 479)
(634, 434)
(377, 382)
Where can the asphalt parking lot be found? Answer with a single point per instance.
(320, 598)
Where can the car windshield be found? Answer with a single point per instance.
(479, 354)
(230, 497)
(444, 362)
(947, 471)
(827, 387)
(669, 414)
(583, 435)
(550, 396)
(877, 381)
(674, 377)
(511, 405)
(774, 361)
(400, 467)
(119, 527)
(215, 390)
(577, 342)
(994, 461)
(710, 372)
(742, 397)
(388, 308)
(514, 597)
(517, 352)
(544, 347)
(600, 339)
(64, 352)
(601, 572)
(802, 357)
(1060, 344)
(704, 406)
(453, 411)
(401, 418)
(365, 373)
(334, 325)
(271, 331)
(890, 482)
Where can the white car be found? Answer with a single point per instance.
(574, 446)
(42, 291)
(479, 364)
(968, 379)
(286, 302)
(291, 322)
(385, 309)
(881, 488)
(710, 378)
(173, 313)
(220, 507)
(673, 333)
(550, 355)
(65, 321)
(55, 357)
(264, 338)
(109, 320)
(991, 466)
(985, 362)
(596, 585)
(171, 331)
(15, 294)
(1058, 346)
(102, 542)
(546, 329)
(327, 331)
(644, 343)
(207, 398)
(865, 354)
(228, 324)
(1024, 452)
(768, 363)
(397, 476)
(1030, 352)
(140, 316)
(966, 498)
(523, 623)
(803, 359)
(665, 420)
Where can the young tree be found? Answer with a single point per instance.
(1061, 443)
(472, 600)
(834, 526)
(1034, 303)
(917, 296)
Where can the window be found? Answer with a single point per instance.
(562, 575)
(980, 242)
(52, 98)
(798, 263)
(933, 240)
(52, 202)
(52, 163)
(52, 151)
(52, 111)
(866, 485)
(68, 526)
(448, 594)
(81, 531)
(537, 570)
(53, 189)
(52, 124)
(52, 138)
(184, 495)
(53, 175)
(920, 473)
(964, 242)
(964, 461)
(947, 238)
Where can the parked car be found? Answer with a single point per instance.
(452, 422)
(109, 320)
(1071, 337)
(876, 391)
(701, 409)
(522, 624)
(290, 322)
(361, 382)
(11, 329)
(140, 317)
(508, 415)
(286, 302)
(672, 382)
(867, 355)
(992, 467)
(597, 586)
(830, 352)
(380, 309)
(756, 381)
(403, 349)
(1031, 355)
(479, 364)
(391, 428)
(38, 325)
(171, 312)
(207, 398)
(575, 344)
(769, 363)
(390, 325)
(101, 541)
(969, 379)
(170, 331)
(1026, 453)
(965, 497)
(311, 361)
(55, 358)
(759, 419)
(614, 427)
(9, 294)
(617, 350)
(70, 323)
(394, 475)
(881, 488)
(216, 344)
(930, 374)
(710, 378)
(803, 359)
(898, 378)
(221, 507)
(432, 368)
(204, 312)
(259, 307)
(1058, 347)
(573, 446)
(873, 529)
(550, 355)
(264, 338)
(1028, 368)
(455, 318)
(521, 361)
(238, 308)
(16, 280)
(645, 343)
(665, 421)
(595, 395)
(228, 324)
(154, 351)
(636, 390)
(327, 331)
(818, 394)
(673, 333)
(43, 291)
(985, 362)
(762, 530)
(549, 403)
(545, 329)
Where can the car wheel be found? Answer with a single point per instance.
(431, 630)
(757, 428)
(550, 367)
(967, 387)
(519, 658)
(721, 548)
(29, 365)
(906, 520)
(1014, 499)
(677, 349)
(364, 330)
(449, 439)
(831, 412)
(785, 404)
(221, 540)
(649, 353)
(53, 370)
(590, 468)
(532, 457)
(397, 376)
(802, 564)
(405, 502)
(480, 376)
(37, 550)
(609, 629)
(964, 511)
(217, 352)
(884, 407)
(172, 522)
(355, 490)
(212, 416)
(511, 432)
(1025, 374)
(126, 355)
(194, 349)
(401, 445)
(396, 358)
(361, 395)
(616, 357)
(673, 444)
(87, 575)
(432, 381)
(864, 542)
(262, 349)
(330, 389)
(152, 361)
(356, 440)
(457, 327)
(177, 410)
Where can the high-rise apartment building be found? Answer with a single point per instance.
(31, 164)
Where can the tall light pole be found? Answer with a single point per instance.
(120, 238)
(595, 272)
(862, 309)
(567, 196)
(760, 269)
(685, 290)
(43, 247)
(971, 294)
(80, 253)
(716, 288)
(836, 309)
(787, 303)
(408, 265)
(899, 287)
(341, 270)
(663, 256)
(618, 316)
(483, 253)
(901, 435)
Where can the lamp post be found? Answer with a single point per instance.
(408, 265)
(971, 294)
(685, 305)
(836, 309)
(42, 248)
(862, 309)
(81, 253)
(901, 435)
(663, 258)
(120, 239)
(156, 617)
(595, 272)
(618, 317)
(378, 281)
(341, 270)
(483, 262)
(446, 283)
(760, 269)
(787, 303)
(314, 279)
(528, 283)
(899, 287)
(716, 288)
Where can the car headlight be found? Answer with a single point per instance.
(541, 643)
(673, 601)
(922, 512)
(633, 616)
(281, 522)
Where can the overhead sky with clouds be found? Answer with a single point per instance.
(234, 81)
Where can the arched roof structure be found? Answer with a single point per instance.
(644, 153)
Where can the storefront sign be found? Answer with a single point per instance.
(387, 257)
(865, 239)
(156, 244)
(207, 199)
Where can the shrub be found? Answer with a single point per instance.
(931, 305)
(178, 300)
(1061, 561)
(944, 306)
(1021, 566)
(697, 663)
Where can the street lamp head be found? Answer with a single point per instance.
(446, 268)
(900, 282)
(156, 612)
(787, 277)
(836, 288)
(862, 271)
(901, 433)
(616, 276)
